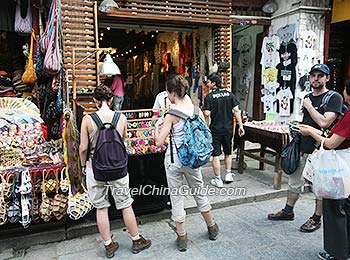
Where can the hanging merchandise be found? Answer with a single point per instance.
(49, 29)
(23, 25)
(29, 75)
(284, 97)
(269, 51)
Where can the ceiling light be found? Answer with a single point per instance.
(270, 7)
(107, 5)
(109, 68)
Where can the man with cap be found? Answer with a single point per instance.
(320, 117)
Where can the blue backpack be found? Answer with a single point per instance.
(197, 148)
(110, 160)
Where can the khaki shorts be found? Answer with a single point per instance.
(98, 190)
(296, 179)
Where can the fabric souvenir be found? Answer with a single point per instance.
(45, 209)
(23, 25)
(64, 184)
(29, 75)
(3, 204)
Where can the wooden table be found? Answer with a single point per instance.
(266, 139)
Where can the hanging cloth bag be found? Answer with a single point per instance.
(23, 25)
(29, 75)
(331, 178)
(49, 29)
(52, 60)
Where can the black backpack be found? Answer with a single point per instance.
(110, 160)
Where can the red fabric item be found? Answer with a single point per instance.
(342, 128)
(44, 129)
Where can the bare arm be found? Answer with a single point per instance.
(332, 142)
(84, 140)
(324, 120)
(206, 113)
(160, 136)
(238, 116)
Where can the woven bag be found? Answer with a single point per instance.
(3, 204)
(45, 209)
(7, 187)
(34, 210)
(23, 25)
(64, 183)
(50, 184)
(52, 60)
(79, 204)
(29, 75)
(59, 203)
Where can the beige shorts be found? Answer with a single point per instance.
(98, 190)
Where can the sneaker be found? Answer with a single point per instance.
(281, 215)
(111, 248)
(181, 243)
(310, 226)
(217, 182)
(228, 177)
(140, 244)
(325, 256)
(213, 232)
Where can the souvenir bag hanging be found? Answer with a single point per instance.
(45, 209)
(7, 187)
(64, 184)
(34, 210)
(59, 100)
(331, 178)
(23, 25)
(50, 184)
(52, 61)
(29, 75)
(49, 29)
(79, 204)
(25, 189)
(14, 209)
(59, 203)
(3, 204)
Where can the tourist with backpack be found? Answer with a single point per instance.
(221, 104)
(320, 114)
(176, 171)
(106, 170)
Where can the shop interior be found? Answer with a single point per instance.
(146, 54)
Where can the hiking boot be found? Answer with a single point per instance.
(310, 226)
(228, 177)
(213, 232)
(281, 215)
(181, 243)
(111, 248)
(217, 182)
(325, 256)
(140, 244)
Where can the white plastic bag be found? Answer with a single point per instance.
(331, 178)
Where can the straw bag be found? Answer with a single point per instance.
(59, 204)
(3, 204)
(79, 204)
(23, 25)
(29, 75)
(45, 209)
(34, 210)
(64, 184)
(50, 184)
(7, 187)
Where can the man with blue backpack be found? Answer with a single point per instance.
(221, 104)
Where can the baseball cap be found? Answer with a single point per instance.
(320, 67)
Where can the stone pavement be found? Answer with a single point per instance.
(245, 233)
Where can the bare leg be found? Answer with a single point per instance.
(292, 198)
(318, 207)
(208, 217)
(228, 162)
(130, 221)
(180, 228)
(102, 221)
(216, 165)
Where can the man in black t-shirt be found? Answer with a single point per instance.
(221, 104)
(321, 117)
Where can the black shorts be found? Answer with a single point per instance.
(222, 140)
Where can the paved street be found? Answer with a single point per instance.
(245, 234)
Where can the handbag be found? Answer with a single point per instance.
(59, 203)
(3, 204)
(14, 212)
(50, 184)
(34, 210)
(331, 178)
(290, 155)
(79, 204)
(64, 184)
(29, 75)
(45, 209)
(52, 60)
(48, 33)
(7, 188)
(23, 25)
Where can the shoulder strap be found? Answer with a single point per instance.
(115, 120)
(97, 120)
(327, 97)
(196, 111)
(177, 113)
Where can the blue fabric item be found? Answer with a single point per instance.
(195, 75)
